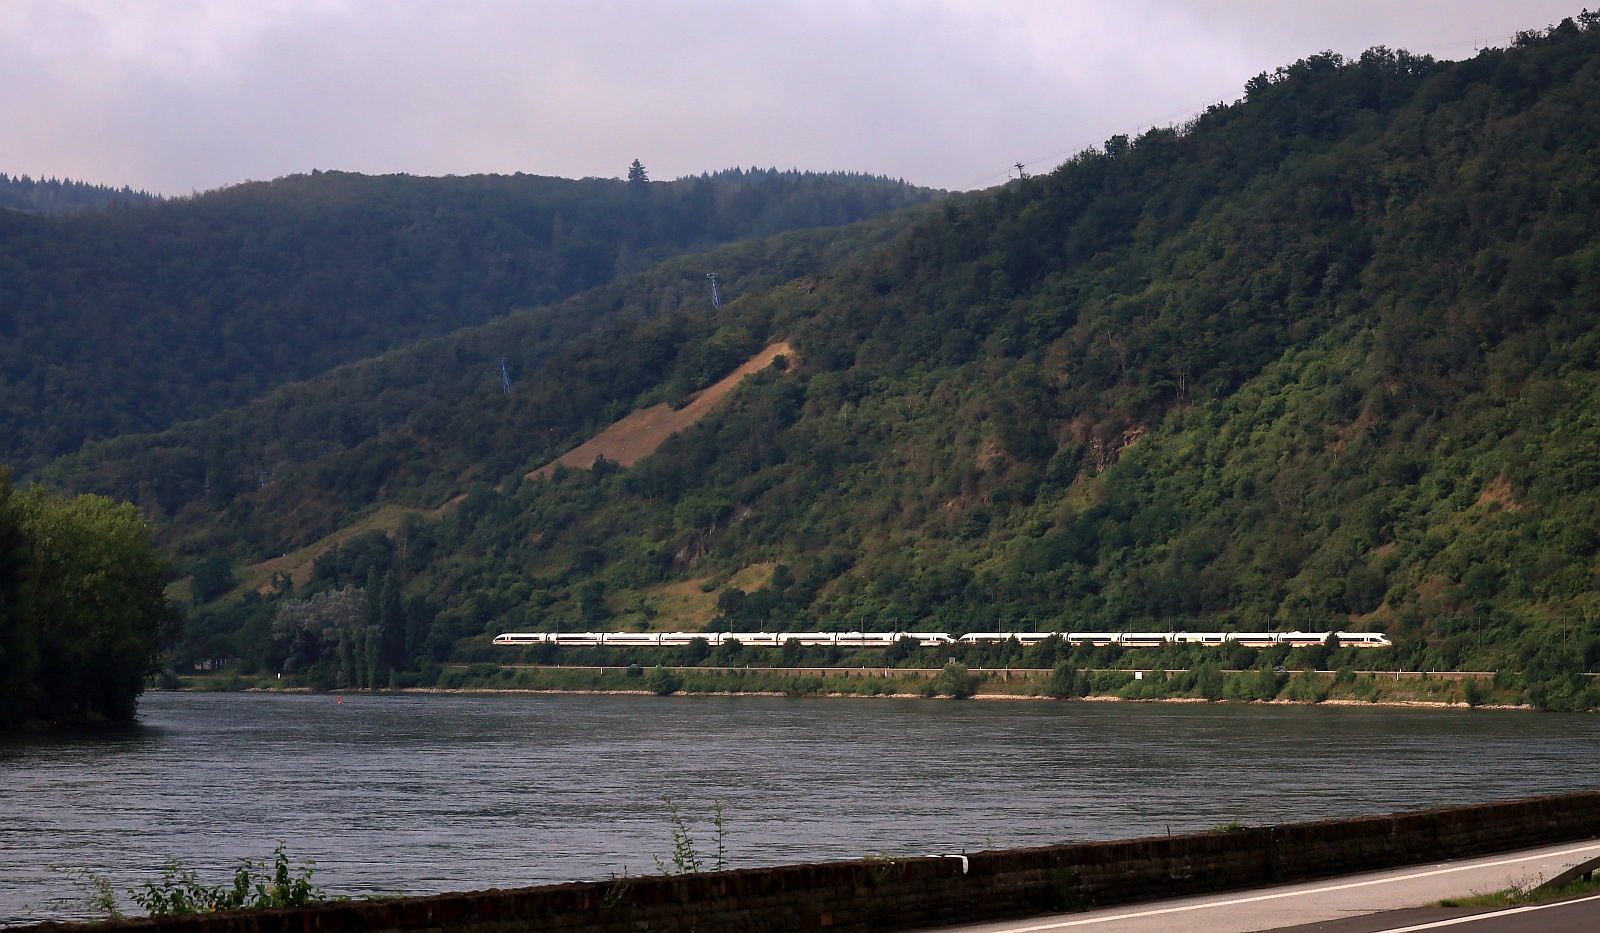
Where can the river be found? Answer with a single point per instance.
(426, 793)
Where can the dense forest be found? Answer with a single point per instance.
(1326, 356)
(293, 466)
(83, 612)
(63, 195)
(135, 317)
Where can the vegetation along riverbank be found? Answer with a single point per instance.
(1205, 683)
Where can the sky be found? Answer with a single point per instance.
(176, 96)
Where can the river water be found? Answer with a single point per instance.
(419, 794)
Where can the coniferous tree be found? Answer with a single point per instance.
(371, 650)
(392, 624)
(349, 659)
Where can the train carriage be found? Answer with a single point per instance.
(983, 638)
(523, 638)
(1363, 640)
(867, 639)
(633, 639)
(1200, 638)
(1303, 639)
(580, 639)
(810, 639)
(1034, 638)
(1098, 639)
(1254, 639)
(1144, 639)
(681, 639)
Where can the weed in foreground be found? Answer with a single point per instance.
(686, 857)
(1521, 892)
(96, 901)
(179, 891)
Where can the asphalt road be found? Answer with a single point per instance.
(1365, 903)
(1579, 915)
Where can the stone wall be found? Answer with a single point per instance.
(924, 892)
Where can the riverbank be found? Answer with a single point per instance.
(1344, 688)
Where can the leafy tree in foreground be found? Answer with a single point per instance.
(84, 608)
(18, 651)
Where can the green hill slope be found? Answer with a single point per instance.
(133, 318)
(1327, 356)
(420, 424)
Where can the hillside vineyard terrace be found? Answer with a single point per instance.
(930, 639)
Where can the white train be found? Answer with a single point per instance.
(933, 639)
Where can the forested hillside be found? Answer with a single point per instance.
(287, 469)
(133, 318)
(1326, 356)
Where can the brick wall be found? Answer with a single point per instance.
(921, 892)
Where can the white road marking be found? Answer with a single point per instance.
(1488, 916)
(1474, 866)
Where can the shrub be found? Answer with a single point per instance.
(1065, 682)
(802, 686)
(1153, 686)
(1208, 681)
(955, 681)
(1264, 684)
(1109, 681)
(663, 681)
(1306, 687)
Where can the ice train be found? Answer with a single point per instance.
(933, 639)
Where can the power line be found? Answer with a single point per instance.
(716, 296)
(1020, 167)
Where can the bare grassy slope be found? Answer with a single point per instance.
(639, 434)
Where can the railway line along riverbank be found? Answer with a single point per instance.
(1450, 689)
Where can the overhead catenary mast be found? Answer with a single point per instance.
(716, 296)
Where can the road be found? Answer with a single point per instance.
(1579, 915)
(1364, 903)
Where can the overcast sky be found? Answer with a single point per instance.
(180, 95)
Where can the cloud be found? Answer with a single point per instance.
(193, 94)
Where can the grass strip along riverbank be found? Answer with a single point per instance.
(1063, 682)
